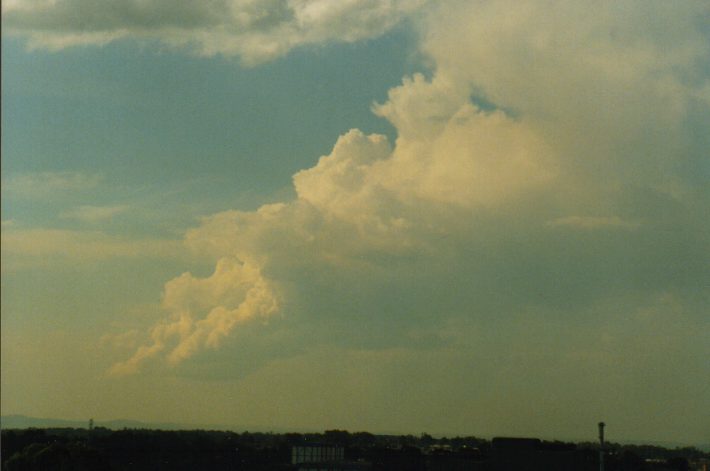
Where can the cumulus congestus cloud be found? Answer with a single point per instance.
(574, 189)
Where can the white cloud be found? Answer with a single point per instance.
(611, 85)
(121, 341)
(255, 30)
(31, 247)
(205, 311)
(591, 115)
(49, 184)
(554, 241)
(94, 214)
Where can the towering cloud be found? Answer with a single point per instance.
(546, 198)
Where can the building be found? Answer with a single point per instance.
(321, 457)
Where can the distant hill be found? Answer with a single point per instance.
(16, 421)
(22, 421)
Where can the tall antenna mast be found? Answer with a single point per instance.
(601, 446)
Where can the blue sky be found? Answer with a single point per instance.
(400, 216)
(150, 120)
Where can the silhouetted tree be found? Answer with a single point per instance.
(678, 464)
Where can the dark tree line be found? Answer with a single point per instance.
(66, 449)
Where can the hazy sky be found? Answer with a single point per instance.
(460, 217)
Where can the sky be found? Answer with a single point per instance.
(400, 216)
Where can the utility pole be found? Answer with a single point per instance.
(601, 446)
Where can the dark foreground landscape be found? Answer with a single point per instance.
(138, 449)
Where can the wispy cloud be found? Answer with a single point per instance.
(94, 214)
(49, 184)
(23, 247)
(592, 222)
